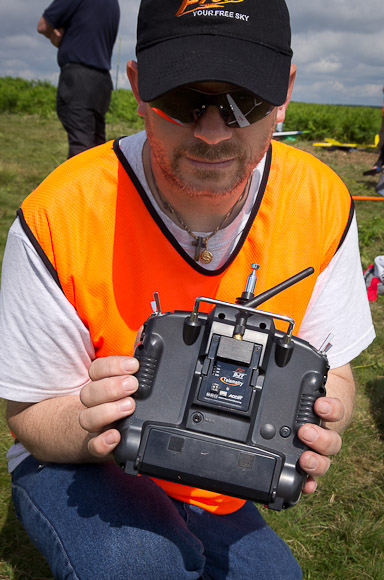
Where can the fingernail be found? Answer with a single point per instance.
(129, 364)
(309, 434)
(323, 407)
(125, 405)
(314, 485)
(311, 463)
(129, 384)
(110, 439)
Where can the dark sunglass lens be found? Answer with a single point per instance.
(226, 114)
(198, 112)
(180, 104)
(249, 106)
(237, 108)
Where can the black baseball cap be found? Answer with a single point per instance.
(242, 42)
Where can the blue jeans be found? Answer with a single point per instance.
(95, 522)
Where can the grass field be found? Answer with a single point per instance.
(336, 534)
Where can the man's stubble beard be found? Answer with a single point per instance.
(210, 180)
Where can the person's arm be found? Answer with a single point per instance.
(79, 429)
(45, 354)
(55, 35)
(51, 429)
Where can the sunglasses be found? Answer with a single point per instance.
(184, 106)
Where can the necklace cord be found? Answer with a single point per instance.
(203, 255)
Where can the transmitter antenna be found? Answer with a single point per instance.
(249, 287)
(268, 294)
(242, 317)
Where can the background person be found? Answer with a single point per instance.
(380, 161)
(381, 134)
(84, 32)
(184, 208)
(378, 165)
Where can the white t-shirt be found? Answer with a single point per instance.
(46, 349)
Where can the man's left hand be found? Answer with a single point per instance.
(323, 441)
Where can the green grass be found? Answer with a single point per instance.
(345, 123)
(338, 533)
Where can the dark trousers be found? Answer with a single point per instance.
(83, 97)
(380, 160)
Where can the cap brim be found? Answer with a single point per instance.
(180, 61)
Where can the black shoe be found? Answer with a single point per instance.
(374, 171)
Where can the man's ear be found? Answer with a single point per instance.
(133, 77)
(281, 110)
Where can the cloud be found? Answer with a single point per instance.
(344, 16)
(338, 47)
(327, 65)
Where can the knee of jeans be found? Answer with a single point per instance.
(115, 552)
(151, 556)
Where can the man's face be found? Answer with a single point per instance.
(207, 158)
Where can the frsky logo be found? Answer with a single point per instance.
(188, 6)
(239, 373)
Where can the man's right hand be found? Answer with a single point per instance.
(56, 36)
(107, 399)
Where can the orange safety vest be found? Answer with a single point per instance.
(92, 224)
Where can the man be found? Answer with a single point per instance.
(378, 166)
(381, 142)
(84, 31)
(183, 208)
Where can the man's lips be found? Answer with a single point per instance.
(211, 163)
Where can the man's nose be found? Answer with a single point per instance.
(211, 127)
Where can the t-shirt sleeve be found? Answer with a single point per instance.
(46, 349)
(60, 12)
(339, 307)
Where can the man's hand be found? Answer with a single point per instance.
(335, 411)
(107, 399)
(55, 35)
(323, 441)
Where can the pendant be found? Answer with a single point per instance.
(206, 256)
(199, 244)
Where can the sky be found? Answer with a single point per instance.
(338, 47)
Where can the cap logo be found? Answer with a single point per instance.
(188, 6)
